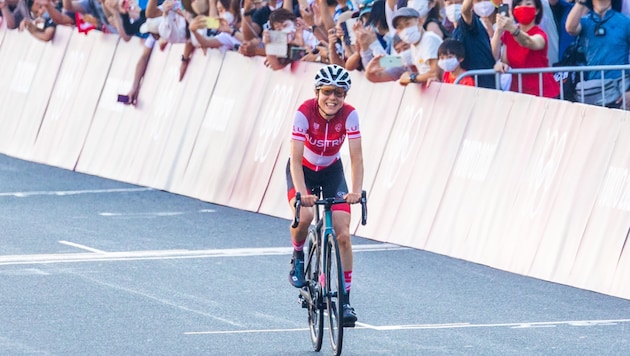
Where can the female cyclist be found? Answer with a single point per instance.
(320, 127)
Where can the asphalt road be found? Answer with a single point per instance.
(90, 266)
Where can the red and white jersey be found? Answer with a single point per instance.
(323, 138)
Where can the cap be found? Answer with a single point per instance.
(405, 12)
(365, 7)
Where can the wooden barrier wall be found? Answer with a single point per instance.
(529, 185)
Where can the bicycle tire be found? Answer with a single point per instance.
(335, 292)
(315, 309)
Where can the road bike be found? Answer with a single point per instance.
(325, 284)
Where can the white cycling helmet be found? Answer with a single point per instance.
(333, 74)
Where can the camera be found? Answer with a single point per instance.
(297, 53)
(599, 30)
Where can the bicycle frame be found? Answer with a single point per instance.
(321, 291)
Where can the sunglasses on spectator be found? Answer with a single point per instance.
(339, 92)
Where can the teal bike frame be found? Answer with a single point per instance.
(325, 289)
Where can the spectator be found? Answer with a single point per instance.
(38, 22)
(127, 17)
(471, 32)
(525, 47)
(430, 16)
(487, 12)
(255, 20)
(560, 10)
(92, 11)
(372, 33)
(606, 35)
(154, 10)
(54, 9)
(13, 12)
(227, 36)
(377, 22)
(354, 60)
(297, 36)
(451, 54)
(607, 38)
(424, 46)
(168, 21)
(257, 17)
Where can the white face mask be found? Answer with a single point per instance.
(290, 28)
(453, 12)
(484, 8)
(421, 5)
(448, 64)
(410, 35)
(227, 16)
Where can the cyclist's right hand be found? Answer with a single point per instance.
(308, 200)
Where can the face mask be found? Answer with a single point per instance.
(453, 12)
(227, 16)
(484, 8)
(448, 64)
(421, 5)
(410, 35)
(525, 14)
(289, 29)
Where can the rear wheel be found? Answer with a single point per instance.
(335, 293)
(315, 309)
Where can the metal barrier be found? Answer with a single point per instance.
(561, 74)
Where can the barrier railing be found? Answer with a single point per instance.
(561, 74)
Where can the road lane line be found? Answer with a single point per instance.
(153, 214)
(166, 254)
(576, 323)
(82, 247)
(73, 192)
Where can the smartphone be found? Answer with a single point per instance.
(504, 9)
(212, 23)
(346, 34)
(123, 99)
(390, 61)
(297, 53)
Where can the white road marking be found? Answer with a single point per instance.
(82, 247)
(433, 326)
(244, 331)
(100, 256)
(151, 214)
(73, 192)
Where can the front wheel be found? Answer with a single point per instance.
(335, 292)
(315, 310)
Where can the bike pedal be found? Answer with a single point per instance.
(302, 301)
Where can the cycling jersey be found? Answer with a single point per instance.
(323, 138)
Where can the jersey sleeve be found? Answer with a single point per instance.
(352, 125)
(300, 126)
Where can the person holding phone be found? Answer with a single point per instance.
(423, 45)
(525, 47)
(320, 127)
(297, 35)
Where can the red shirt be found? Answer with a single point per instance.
(523, 57)
(448, 77)
(323, 138)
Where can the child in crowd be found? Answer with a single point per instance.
(451, 54)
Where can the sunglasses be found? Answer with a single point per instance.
(339, 92)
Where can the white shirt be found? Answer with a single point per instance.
(425, 50)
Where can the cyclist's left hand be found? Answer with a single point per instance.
(353, 198)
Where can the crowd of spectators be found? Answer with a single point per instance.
(408, 41)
